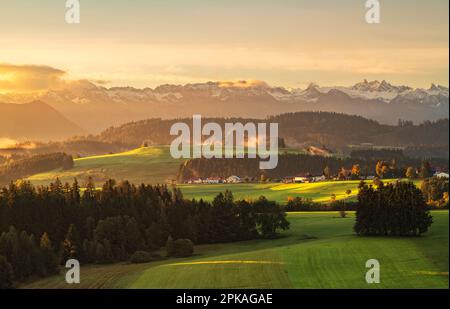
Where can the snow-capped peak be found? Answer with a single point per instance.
(438, 88)
(376, 86)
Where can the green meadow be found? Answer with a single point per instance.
(151, 165)
(319, 251)
(143, 165)
(155, 165)
(319, 192)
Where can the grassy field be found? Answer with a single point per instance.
(319, 192)
(155, 165)
(150, 165)
(319, 251)
(143, 165)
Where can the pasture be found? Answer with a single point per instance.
(319, 251)
(153, 165)
(143, 165)
(319, 192)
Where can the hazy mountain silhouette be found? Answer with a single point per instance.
(35, 120)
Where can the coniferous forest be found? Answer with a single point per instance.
(43, 227)
(395, 209)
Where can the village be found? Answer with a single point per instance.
(300, 178)
(344, 175)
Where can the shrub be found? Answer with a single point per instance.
(141, 257)
(180, 248)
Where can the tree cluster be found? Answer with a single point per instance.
(43, 227)
(302, 204)
(435, 190)
(397, 209)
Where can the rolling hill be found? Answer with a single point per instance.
(148, 165)
(155, 165)
(319, 251)
(299, 130)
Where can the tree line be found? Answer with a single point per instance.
(15, 168)
(294, 164)
(41, 227)
(333, 130)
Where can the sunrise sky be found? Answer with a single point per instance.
(286, 43)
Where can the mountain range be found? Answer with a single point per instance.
(93, 107)
(35, 121)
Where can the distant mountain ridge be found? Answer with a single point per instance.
(299, 130)
(314, 132)
(35, 120)
(96, 108)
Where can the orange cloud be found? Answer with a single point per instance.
(242, 84)
(29, 78)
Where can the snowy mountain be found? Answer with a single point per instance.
(376, 86)
(375, 90)
(83, 102)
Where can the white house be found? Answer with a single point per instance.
(319, 178)
(234, 179)
(301, 179)
(213, 180)
(441, 175)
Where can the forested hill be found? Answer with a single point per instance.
(332, 130)
(15, 168)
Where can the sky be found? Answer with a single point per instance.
(289, 43)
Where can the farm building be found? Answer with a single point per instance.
(303, 178)
(234, 179)
(213, 180)
(288, 179)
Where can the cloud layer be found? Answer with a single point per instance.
(29, 78)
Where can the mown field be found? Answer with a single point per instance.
(319, 251)
(319, 192)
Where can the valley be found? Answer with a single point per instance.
(154, 165)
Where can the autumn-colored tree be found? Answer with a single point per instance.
(356, 171)
(382, 169)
